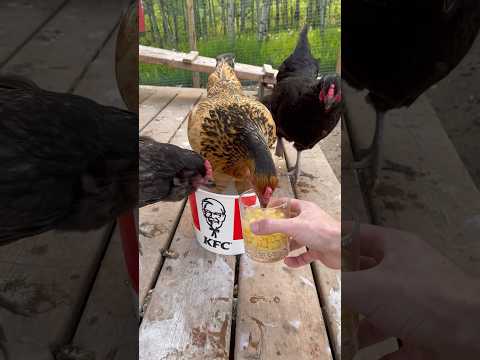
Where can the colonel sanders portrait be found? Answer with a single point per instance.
(214, 213)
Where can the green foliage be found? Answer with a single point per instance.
(211, 41)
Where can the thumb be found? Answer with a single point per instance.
(270, 226)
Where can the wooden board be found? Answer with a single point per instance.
(320, 185)
(189, 316)
(435, 199)
(77, 33)
(16, 27)
(51, 274)
(279, 314)
(144, 92)
(163, 126)
(154, 103)
(157, 221)
(110, 312)
(355, 208)
(150, 55)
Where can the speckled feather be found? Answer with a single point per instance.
(224, 126)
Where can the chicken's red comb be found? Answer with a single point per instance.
(331, 91)
(209, 169)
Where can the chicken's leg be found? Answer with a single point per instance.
(295, 171)
(279, 150)
(373, 157)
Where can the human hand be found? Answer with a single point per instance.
(436, 317)
(310, 226)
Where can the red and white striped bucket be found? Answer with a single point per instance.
(216, 221)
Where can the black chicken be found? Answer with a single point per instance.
(67, 162)
(169, 173)
(70, 163)
(305, 108)
(398, 49)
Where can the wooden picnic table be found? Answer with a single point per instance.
(75, 284)
(200, 305)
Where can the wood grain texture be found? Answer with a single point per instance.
(144, 92)
(279, 314)
(16, 28)
(163, 126)
(424, 187)
(39, 60)
(320, 185)
(110, 313)
(50, 275)
(150, 55)
(114, 322)
(157, 221)
(154, 103)
(190, 312)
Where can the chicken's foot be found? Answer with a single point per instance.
(373, 156)
(294, 172)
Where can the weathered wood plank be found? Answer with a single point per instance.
(157, 221)
(192, 55)
(144, 92)
(40, 60)
(278, 313)
(16, 28)
(51, 274)
(190, 312)
(164, 125)
(155, 103)
(435, 199)
(99, 81)
(47, 275)
(354, 208)
(320, 185)
(150, 55)
(109, 314)
(115, 322)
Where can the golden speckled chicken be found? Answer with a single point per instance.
(234, 132)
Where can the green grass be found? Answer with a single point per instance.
(249, 50)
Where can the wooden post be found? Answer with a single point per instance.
(192, 39)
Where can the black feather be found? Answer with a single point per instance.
(167, 172)
(67, 161)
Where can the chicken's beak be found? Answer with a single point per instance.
(210, 183)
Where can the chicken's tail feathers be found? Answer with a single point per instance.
(12, 81)
(302, 44)
(228, 58)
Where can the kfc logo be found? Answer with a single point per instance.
(214, 213)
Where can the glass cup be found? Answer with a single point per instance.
(263, 248)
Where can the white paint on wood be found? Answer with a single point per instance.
(190, 311)
(192, 55)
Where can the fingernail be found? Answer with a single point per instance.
(254, 227)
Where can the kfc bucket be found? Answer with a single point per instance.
(216, 221)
